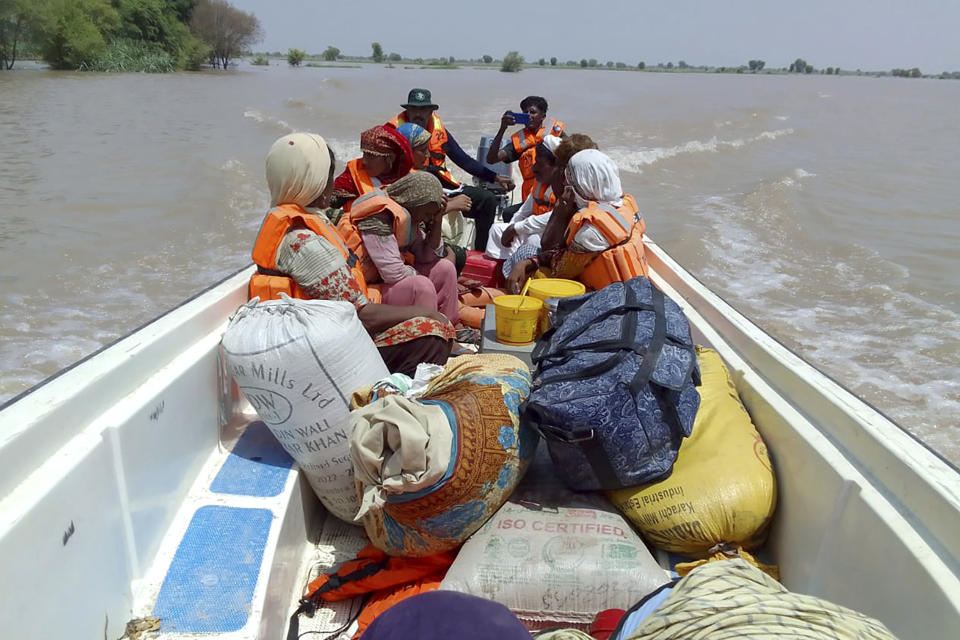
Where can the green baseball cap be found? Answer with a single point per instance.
(419, 98)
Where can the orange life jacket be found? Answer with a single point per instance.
(525, 144)
(370, 204)
(268, 283)
(363, 181)
(438, 138)
(543, 198)
(623, 228)
(382, 600)
(373, 570)
(390, 579)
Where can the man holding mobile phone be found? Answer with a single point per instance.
(523, 143)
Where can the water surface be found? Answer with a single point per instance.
(824, 208)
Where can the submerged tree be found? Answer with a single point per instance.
(295, 57)
(228, 31)
(331, 53)
(553, 61)
(16, 16)
(70, 33)
(377, 52)
(512, 62)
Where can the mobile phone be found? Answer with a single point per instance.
(520, 118)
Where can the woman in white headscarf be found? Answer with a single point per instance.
(530, 220)
(299, 171)
(592, 178)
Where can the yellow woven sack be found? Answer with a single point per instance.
(722, 489)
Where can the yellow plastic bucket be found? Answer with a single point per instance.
(544, 288)
(517, 318)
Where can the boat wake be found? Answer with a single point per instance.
(633, 160)
(272, 122)
(843, 307)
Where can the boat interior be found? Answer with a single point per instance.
(139, 483)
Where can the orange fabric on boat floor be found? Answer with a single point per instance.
(386, 598)
(473, 302)
(373, 570)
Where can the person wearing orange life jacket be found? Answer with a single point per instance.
(420, 109)
(532, 217)
(419, 139)
(387, 157)
(523, 144)
(382, 226)
(595, 234)
(299, 253)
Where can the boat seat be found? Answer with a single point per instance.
(234, 549)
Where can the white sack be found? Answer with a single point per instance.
(297, 362)
(554, 556)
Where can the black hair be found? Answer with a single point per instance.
(533, 101)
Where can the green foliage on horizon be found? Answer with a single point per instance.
(124, 55)
(70, 33)
(377, 52)
(17, 18)
(108, 35)
(512, 62)
(907, 73)
(295, 57)
(331, 53)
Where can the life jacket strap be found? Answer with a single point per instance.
(308, 606)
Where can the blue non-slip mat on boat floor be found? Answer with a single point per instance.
(209, 586)
(258, 466)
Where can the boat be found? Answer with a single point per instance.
(137, 484)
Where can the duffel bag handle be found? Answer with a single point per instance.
(624, 341)
(586, 439)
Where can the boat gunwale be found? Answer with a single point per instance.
(648, 242)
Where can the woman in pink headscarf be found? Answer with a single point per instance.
(387, 157)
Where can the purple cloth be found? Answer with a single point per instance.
(446, 615)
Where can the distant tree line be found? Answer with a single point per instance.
(906, 73)
(514, 62)
(125, 35)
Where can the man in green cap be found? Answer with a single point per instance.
(420, 109)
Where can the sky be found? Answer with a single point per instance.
(851, 34)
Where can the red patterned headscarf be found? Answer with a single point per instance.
(385, 141)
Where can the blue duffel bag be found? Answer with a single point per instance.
(615, 388)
